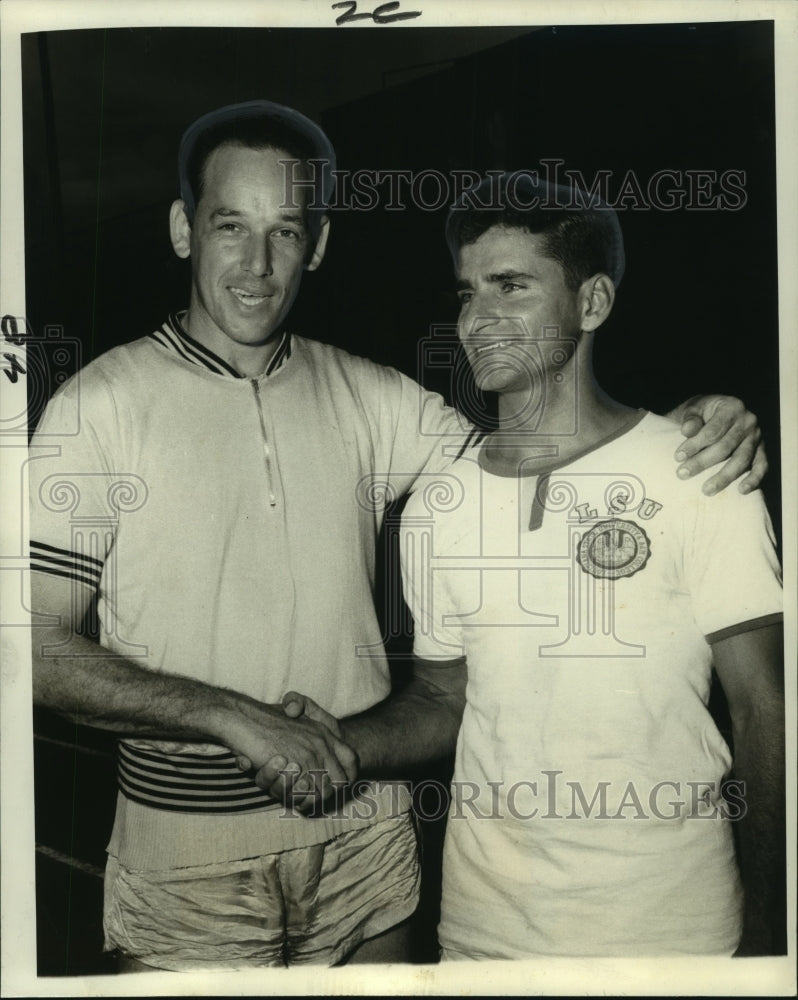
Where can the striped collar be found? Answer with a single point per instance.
(173, 337)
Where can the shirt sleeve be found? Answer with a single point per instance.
(732, 568)
(72, 488)
(427, 434)
(436, 636)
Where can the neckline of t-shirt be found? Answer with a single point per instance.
(178, 341)
(629, 424)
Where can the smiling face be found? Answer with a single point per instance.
(248, 250)
(512, 300)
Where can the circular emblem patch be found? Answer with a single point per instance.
(612, 549)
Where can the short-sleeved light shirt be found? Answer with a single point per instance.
(586, 602)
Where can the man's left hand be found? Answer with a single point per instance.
(718, 428)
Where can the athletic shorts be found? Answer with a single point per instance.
(309, 905)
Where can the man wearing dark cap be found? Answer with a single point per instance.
(585, 596)
(240, 565)
(222, 458)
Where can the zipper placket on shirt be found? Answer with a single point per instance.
(267, 455)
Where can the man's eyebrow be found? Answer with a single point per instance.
(509, 276)
(234, 213)
(226, 213)
(497, 278)
(297, 217)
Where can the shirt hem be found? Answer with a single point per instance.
(148, 839)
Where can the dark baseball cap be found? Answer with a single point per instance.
(524, 191)
(287, 122)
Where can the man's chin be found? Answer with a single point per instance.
(254, 335)
(501, 379)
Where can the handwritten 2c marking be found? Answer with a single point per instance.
(384, 14)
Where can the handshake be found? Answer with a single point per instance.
(302, 759)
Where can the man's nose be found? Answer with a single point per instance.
(258, 258)
(477, 323)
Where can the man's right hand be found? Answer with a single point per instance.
(99, 688)
(297, 752)
(299, 755)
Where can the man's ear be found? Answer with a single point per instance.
(321, 245)
(596, 296)
(180, 229)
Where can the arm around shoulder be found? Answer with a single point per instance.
(720, 429)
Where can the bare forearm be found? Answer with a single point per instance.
(419, 724)
(97, 688)
(759, 762)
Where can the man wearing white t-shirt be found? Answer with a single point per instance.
(570, 602)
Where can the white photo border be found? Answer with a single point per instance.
(702, 977)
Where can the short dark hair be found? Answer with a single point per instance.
(258, 125)
(580, 233)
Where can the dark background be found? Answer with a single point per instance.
(103, 113)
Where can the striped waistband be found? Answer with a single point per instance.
(64, 562)
(186, 782)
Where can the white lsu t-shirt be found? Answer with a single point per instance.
(586, 810)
